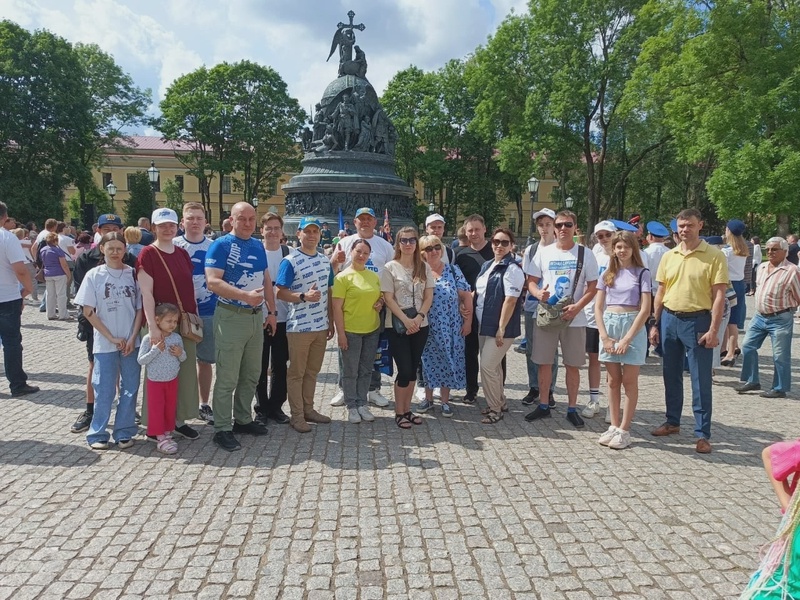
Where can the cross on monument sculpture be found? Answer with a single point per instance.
(345, 38)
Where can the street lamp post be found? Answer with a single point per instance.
(112, 191)
(152, 175)
(431, 207)
(568, 202)
(254, 201)
(533, 188)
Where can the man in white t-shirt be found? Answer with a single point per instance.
(434, 225)
(556, 266)
(15, 284)
(382, 252)
(657, 236)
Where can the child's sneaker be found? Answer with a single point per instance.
(606, 437)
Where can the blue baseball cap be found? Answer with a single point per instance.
(306, 221)
(365, 211)
(736, 227)
(657, 229)
(623, 225)
(109, 220)
(674, 225)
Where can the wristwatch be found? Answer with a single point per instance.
(302, 297)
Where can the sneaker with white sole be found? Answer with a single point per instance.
(447, 410)
(374, 397)
(591, 409)
(99, 445)
(366, 415)
(338, 399)
(606, 437)
(424, 406)
(353, 416)
(621, 440)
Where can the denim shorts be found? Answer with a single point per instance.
(617, 325)
(205, 349)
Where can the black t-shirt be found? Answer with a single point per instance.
(794, 253)
(470, 261)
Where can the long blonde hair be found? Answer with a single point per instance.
(418, 273)
(614, 266)
(737, 243)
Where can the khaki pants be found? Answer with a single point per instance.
(492, 371)
(306, 351)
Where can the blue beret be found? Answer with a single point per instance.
(714, 240)
(622, 225)
(657, 229)
(674, 225)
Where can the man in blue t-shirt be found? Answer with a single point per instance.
(304, 281)
(236, 271)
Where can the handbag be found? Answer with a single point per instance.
(397, 324)
(191, 326)
(549, 316)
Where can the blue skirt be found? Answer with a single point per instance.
(617, 325)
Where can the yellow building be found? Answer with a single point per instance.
(146, 149)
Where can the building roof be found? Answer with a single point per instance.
(152, 142)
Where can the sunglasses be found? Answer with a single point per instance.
(603, 237)
(565, 225)
(407, 241)
(503, 243)
(436, 248)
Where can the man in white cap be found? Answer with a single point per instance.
(434, 225)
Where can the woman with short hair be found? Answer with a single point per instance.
(57, 276)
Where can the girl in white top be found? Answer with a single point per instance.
(736, 252)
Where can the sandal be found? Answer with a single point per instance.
(402, 421)
(412, 418)
(487, 410)
(492, 417)
(166, 445)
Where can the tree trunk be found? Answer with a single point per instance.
(783, 225)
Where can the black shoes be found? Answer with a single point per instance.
(187, 432)
(227, 441)
(280, 417)
(531, 397)
(574, 418)
(24, 391)
(748, 387)
(538, 413)
(252, 428)
(551, 402)
(83, 422)
(773, 394)
(206, 414)
(469, 398)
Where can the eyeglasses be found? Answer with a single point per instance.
(565, 225)
(503, 243)
(436, 248)
(273, 229)
(603, 237)
(775, 250)
(407, 241)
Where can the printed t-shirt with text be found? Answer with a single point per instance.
(206, 300)
(243, 261)
(298, 272)
(382, 252)
(556, 268)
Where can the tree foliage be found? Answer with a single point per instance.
(174, 196)
(140, 202)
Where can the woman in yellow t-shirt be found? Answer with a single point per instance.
(357, 303)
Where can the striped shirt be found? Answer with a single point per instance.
(778, 288)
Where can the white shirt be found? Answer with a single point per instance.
(556, 268)
(382, 252)
(513, 284)
(274, 258)
(65, 243)
(735, 264)
(602, 264)
(10, 253)
(654, 253)
(757, 255)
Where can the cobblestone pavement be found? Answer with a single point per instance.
(450, 509)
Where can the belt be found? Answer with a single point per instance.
(688, 315)
(775, 314)
(242, 310)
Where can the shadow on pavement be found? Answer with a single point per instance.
(34, 452)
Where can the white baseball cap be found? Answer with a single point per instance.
(434, 217)
(605, 226)
(545, 212)
(164, 215)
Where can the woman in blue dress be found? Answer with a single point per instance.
(450, 319)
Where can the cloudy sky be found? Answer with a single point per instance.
(157, 41)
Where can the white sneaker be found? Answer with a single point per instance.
(420, 394)
(365, 414)
(621, 440)
(591, 409)
(437, 392)
(606, 437)
(375, 398)
(353, 416)
(338, 399)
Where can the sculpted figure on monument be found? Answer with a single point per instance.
(365, 136)
(380, 132)
(345, 121)
(306, 138)
(320, 122)
(345, 38)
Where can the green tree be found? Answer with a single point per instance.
(174, 197)
(140, 202)
(94, 195)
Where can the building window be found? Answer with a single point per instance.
(129, 176)
(106, 179)
(512, 224)
(226, 185)
(427, 193)
(273, 186)
(179, 181)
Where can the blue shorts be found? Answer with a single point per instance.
(617, 325)
(205, 349)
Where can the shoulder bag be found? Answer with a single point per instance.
(191, 326)
(549, 316)
(398, 325)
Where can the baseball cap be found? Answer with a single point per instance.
(736, 227)
(605, 226)
(545, 212)
(434, 217)
(164, 215)
(623, 225)
(365, 211)
(635, 218)
(306, 221)
(109, 220)
(657, 229)
(714, 240)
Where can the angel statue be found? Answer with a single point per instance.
(345, 39)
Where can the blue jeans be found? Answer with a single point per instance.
(109, 368)
(11, 336)
(533, 368)
(779, 329)
(679, 339)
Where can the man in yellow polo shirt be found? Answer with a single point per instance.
(688, 310)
